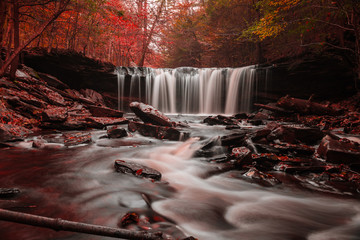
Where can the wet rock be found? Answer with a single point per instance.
(100, 111)
(220, 120)
(116, 132)
(241, 116)
(302, 168)
(149, 114)
(72, 139)
(71, 123)
(106, 121)
(339, 151)
(235, 139)
(260, 135)
(137, 170)
(296, 133)
(128, 219)
(242, 155)
(55, 114)
(261, 178)
(9, 132)
(9, 192)
(256, 122)
(158, 132)
(232, 127)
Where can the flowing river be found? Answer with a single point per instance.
(80, 184)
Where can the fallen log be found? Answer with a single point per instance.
(305, 106)
(58, 224)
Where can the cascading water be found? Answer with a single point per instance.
(192, 90)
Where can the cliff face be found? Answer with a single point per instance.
(74, 69)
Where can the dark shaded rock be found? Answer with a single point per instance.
(128, 219)
(100, 111)
(149, 114)
(259, 136)
(340, 151)
(242, 155)
(93, 96)
(296, 133)
(261, 178)
(261, 116)
(53, 81)
(256, 122)
(220, 120)
(9, 192)
(158, 132)
(106, 121)
(137, 170)
(235, 139)
(231, 127)
(55, 114)
(9, 133)
(72, 139)
(116, 132)
(241, 116)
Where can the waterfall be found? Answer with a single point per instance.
(191, 90)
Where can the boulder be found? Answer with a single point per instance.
(101, 111)
(72, 139)
(339, 151)
(149, 114)
(116, 132)
(158, 132)
(52, 96)
(137, 170)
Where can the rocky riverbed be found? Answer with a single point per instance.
(295, 146)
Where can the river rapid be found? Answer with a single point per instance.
(80, 184)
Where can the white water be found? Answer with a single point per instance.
(224, 207)
(193, 90)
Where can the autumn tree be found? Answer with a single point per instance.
(323, 24)
(13, 19)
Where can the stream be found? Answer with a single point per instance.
(80, 184)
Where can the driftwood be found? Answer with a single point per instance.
(58, 224)
(305, 106)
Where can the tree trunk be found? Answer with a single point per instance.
(61, 9)
(149, 37)
(16, 32)
(356, 23)
(58, 224)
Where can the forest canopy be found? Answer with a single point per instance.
(169, 33)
